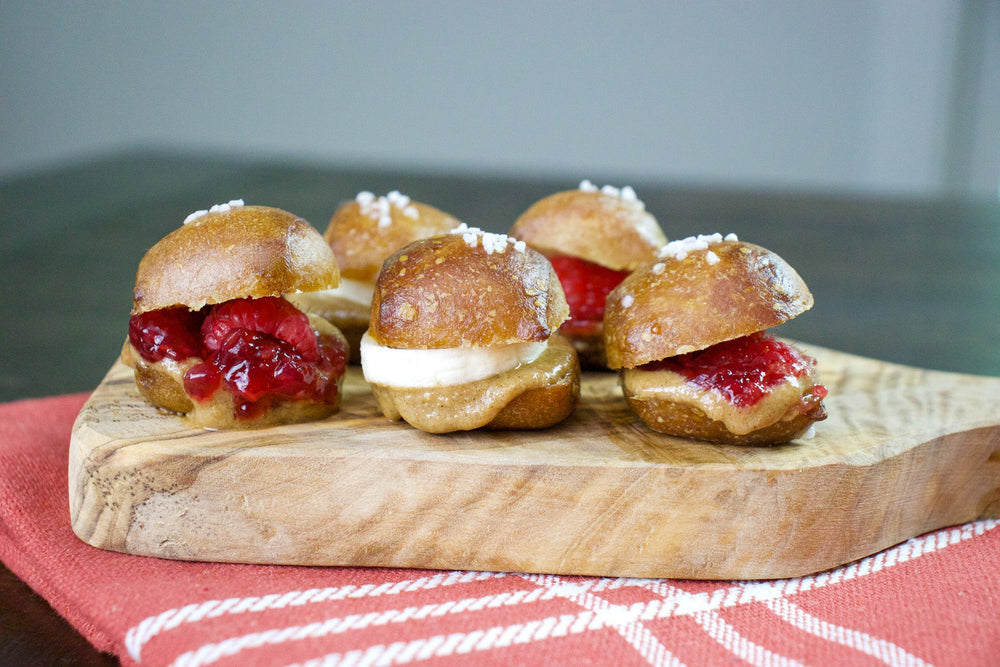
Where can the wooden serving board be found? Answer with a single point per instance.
(904, 451)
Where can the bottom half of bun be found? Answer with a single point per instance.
(161, 383)
(533, 395)
(667, 405)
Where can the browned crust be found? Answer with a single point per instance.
(691, 304)
(687, 421)
(441, 292)
(601, 228)
(361, 244)
(247, 251)
(155, 385)
(539, 408)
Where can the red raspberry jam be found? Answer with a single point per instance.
(169, 333)
(743, 370)
(272, 316)
(262, 350)
(586, 286)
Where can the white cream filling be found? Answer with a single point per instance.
(411, 369)
(356, 291)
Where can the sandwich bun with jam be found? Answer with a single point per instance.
(593, 238)
(211, 334)
(688, 333)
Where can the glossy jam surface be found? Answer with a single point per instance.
(586, 286)
(271, 317)
(744, 369)
(263, 351)
(170, 333)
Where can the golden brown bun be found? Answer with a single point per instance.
(602, 228)
(162, 384)
(362, 234)
(361, 240)
(674, 306)
(687, 421)
(245, 251)
(159, 383)
(443, 292)
(535, 395)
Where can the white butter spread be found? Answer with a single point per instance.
(395, 367)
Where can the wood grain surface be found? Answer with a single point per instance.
(904, 451)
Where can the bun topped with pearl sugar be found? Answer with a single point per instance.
(362, 234)
(687, 332)
(461, 336)
(698, 292)
(466, 289)
(593, 237)
(212, 334)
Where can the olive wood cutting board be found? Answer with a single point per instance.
(904, 451)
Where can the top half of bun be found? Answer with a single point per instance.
(232, 252)
(466, 289)
(693, 298)
(365, 231)
(609, 227)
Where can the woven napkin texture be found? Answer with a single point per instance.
(934, 599)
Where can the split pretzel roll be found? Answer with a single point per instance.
(687, 333)
(362, 233)
(461, 336)
(593, 237)
(208, 297)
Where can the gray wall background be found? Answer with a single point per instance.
(875, 96)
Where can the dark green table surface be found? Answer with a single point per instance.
(906, 280)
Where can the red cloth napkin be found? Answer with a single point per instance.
(934, 599)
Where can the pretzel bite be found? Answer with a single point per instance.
(210, 335)
(461, 337)
(362, 234)
(687, 332)
(593, 238)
